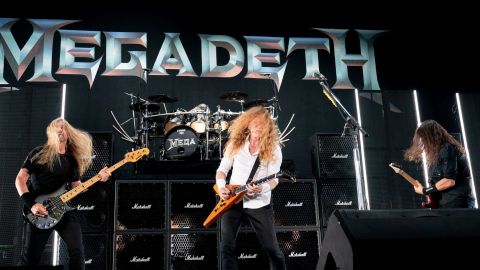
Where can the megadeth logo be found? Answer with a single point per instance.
(81, 53)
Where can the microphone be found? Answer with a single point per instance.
(319, 76)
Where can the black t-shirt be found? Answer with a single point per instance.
(42, 180)
(452, 164)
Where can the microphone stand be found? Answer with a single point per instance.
(276, 103)
(351, 128)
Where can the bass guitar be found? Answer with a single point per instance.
(56, 202)
(432, 200)
(237, 193)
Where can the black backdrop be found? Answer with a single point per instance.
(409, 55)
(430, 54)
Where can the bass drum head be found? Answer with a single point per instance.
(180, 142)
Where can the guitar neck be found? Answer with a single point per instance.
(67, 196)
(407, 177)
(259, 181)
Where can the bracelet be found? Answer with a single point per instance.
(431, 189)
(266, 187)
(28, 199)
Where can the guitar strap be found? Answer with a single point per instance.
(254, 169)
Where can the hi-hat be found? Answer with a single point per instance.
(162, 99)
(144, 106)
(234, 96)
(256, 102)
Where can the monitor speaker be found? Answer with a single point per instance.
(401, 239)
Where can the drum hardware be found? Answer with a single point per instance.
(256, 102)
(162, 99)
(144, 106)
(236, 96)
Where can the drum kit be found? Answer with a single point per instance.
(182, 134)
(198, 132)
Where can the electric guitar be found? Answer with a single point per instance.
(236, 195)
(56, 202)
(432, 199)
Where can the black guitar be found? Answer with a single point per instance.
(56, 202)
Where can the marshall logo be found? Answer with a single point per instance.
(194, 258)
(290, 204)
(135, 259)
(193, 205)
(142, 206)
(247, 256)
(294, 254)
(85, 208)
(174, 143)
(335, 155)
(339, 202)
(89, 261)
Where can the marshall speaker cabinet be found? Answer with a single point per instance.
(140, 205)
(142, 251)
(194, 250)
(300, 248)
(333, 166)
(190, 203)
(92, 206)
(295, 204)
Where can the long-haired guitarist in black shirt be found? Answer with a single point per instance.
(449, 174)
(65, 157)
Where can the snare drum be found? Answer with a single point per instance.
(181, 142)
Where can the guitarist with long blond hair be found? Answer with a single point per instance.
(63, 159)
(253, 134)
(449, 175)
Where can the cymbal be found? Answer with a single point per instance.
(256, 102)
(162, 99)
(144, 106)
(234, 96)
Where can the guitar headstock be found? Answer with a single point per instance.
(134, 156)
(395, 167)
(286, 175)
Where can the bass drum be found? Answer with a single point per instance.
(180, 142)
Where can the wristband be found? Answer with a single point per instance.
(28, 199)
(431, 189)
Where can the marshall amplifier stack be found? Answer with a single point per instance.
(333, 166)
(159, 225)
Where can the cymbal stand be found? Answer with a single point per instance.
(275, 101)
(207, 129)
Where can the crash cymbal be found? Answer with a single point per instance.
(234, 96)
(144, 106)
(255, 102)
(162, 99)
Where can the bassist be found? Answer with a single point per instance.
(253, 134)
(63, 159)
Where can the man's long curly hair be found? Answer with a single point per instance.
(79, 145)
(238, 133)
(429, 137)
